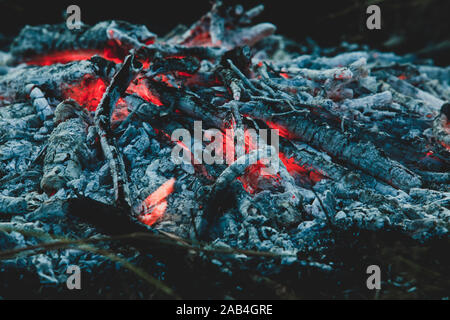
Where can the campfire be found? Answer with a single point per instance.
(221, 136)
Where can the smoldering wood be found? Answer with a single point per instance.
(189, 104)
(47, 78)
(102, 119)
(363, 155)
(239, 34)
(66, 154)
(37, 40)
(167, 50)
(217, 192)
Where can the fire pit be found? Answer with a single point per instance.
(220, 160)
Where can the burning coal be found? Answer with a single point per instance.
(155, 205)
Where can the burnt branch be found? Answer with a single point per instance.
(115, 90)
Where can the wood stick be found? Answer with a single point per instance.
(102, 120)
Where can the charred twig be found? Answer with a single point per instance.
(234, 84)
(115, 90)
(166, 50)
(243, 77)
(217, 191)
(228, 71)
(325, 212)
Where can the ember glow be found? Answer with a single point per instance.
(155, 205)
(67, 56)
(62, 57)
(447, 129)
(88, 92)
(139, 87)
(295, 169)
(283, 132)
(121, 111)
(252, 180)
(199, 38)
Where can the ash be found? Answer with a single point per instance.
(85, 159)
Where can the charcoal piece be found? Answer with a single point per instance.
(70, 109)
(36, 40)
(13, 205)
(52, 79)
(43, 109)
(67, 150)
(409, 90)
(107, 218)
(189, 65)
(363, 155)
(212, 26)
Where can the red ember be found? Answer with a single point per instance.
(73, 55)
(155, 205)
(139, 86)
(88, 92)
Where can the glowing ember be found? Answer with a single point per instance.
(253, 181)
(139, 87)
(184, 74)
(199, 39)
(445, 146)
(121, 111)
(145, 64)
(62, 57)
(88, 92)
(296, 169)
(283, 132)
(72, 55)
(165, 79)
(155, 205)
(250, 143)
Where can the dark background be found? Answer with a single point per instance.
(419, 26)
